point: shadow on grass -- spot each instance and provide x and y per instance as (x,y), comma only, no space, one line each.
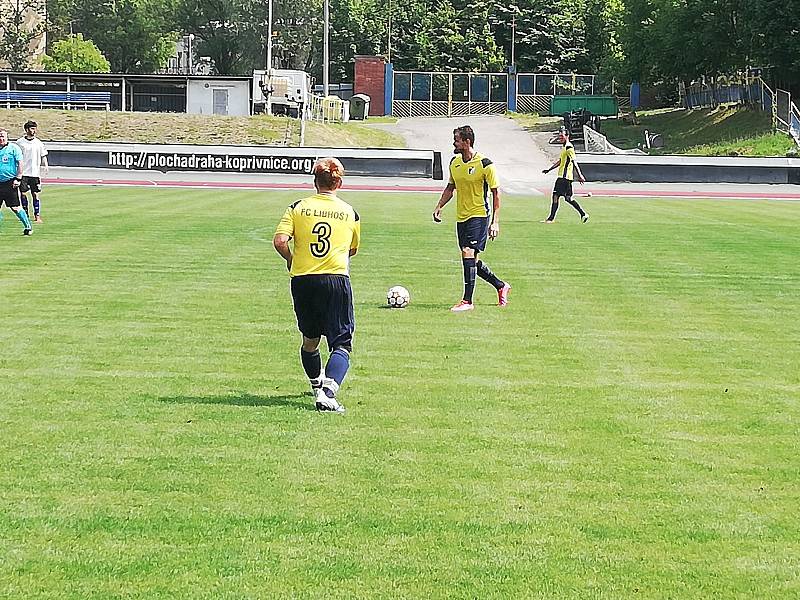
(298,401)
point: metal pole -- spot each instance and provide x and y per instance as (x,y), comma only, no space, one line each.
(269,38)
(191,58)
(268,103)
(513,37)
(326,52)
(389,57)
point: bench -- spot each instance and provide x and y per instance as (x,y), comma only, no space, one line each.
(65,100)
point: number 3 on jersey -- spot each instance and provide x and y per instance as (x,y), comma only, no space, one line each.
(323,244)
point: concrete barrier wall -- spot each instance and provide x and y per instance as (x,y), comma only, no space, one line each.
(372,162)
(688,169)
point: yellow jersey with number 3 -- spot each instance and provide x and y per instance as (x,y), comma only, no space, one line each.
(473,180)
(324,229)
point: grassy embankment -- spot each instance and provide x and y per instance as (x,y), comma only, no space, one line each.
(724,131)
(101,126)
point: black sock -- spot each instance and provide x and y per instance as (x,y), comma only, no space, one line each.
(553,210)
(469,278)
(24,200)
(485,273)
(312,363)
(574,204)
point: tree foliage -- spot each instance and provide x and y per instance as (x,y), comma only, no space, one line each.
(137,36)
(74,54)
(19,30)
(646,40)
(230,32)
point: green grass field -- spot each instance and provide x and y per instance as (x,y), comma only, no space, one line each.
(626,428)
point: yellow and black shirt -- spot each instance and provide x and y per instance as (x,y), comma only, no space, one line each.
(567,161)
(324,229)
(473,180)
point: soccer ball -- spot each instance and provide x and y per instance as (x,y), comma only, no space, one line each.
(398,297)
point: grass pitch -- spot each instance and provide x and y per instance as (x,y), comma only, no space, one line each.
(626,428)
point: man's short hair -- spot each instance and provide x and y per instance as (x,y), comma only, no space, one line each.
(30,124)
(465,133)
(563,131)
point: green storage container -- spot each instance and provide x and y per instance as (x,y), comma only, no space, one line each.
(605,106)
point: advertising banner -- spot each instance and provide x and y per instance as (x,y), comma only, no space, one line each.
(372,162)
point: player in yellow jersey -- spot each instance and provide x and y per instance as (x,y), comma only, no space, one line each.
(326,232)
(472,176)
(566,164)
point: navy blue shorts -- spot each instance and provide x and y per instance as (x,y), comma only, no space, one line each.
(473,233)
(563,187)
(323,305)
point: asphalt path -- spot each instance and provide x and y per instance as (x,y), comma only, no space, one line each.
(518,157)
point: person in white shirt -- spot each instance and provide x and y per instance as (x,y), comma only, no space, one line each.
(34,165)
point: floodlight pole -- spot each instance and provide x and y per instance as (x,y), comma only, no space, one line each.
(269,37)
(513,37)
(389,57)
(326,52)
(190,65)
(268,104)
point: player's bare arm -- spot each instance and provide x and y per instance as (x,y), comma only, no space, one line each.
(553,166)
(281,243)
(577,168)
(494,226)
(447,195)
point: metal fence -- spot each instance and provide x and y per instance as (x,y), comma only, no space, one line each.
(753,92)
(439,94)
(330,109)
(435,94)
(535,90)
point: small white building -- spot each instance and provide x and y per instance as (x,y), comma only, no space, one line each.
(218,96)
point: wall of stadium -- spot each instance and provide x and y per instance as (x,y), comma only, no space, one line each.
(689,169)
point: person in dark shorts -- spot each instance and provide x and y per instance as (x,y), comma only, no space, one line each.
(34,165)
(326,232)
(10,179)
(566,164)
(471,177)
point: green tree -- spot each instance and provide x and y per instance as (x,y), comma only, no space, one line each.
(297,24)
(677,40)
(230,32)
(75,55)
(773,40)
(60,17)
(357,27)
(137,36)
(19,30)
